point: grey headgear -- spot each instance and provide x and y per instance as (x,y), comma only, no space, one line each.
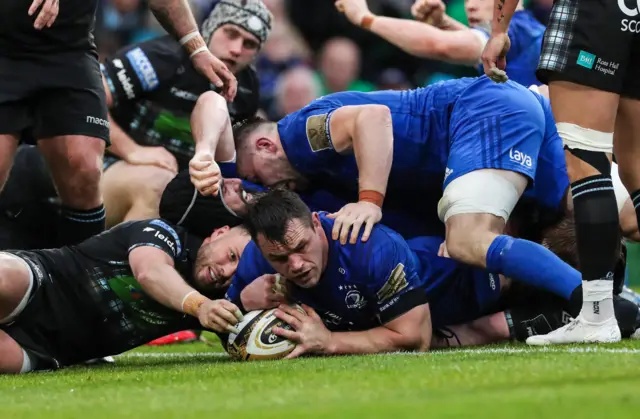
(251,15)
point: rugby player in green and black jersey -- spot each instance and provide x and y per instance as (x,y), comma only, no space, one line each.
(113,292)
(152,90)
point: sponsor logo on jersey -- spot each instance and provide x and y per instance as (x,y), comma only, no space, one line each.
(586,59)
(318,133)
(97,121)
(396,282)
(143,68)
(520,158)
(148,229)
(172,240)
(629,25)
(124,79)
(492,282)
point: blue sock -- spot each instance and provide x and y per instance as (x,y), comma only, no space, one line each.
(533,264)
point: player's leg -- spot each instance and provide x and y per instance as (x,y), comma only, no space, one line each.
(496,134)
(8,147)
(584,57)
(16,282)
(133,192)
(72,130)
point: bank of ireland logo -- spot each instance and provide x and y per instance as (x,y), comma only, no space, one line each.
(586,59)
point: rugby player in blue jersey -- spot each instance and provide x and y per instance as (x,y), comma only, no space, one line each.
(446,39)
(483,143)
(371,291)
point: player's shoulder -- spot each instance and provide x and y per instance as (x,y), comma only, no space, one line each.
(163,51)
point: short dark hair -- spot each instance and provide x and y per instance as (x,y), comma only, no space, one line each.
(270,213)
(244,128)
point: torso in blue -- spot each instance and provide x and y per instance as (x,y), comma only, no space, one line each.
(363,286)
(420,120)
(526,34)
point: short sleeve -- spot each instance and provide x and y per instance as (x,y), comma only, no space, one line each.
(394,279)
(158,234)
(140,68)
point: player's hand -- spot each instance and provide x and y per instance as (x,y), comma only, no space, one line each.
(265,292)
(205,174)
(48,12)
(494,57)
(217,72)
(351,217)
(153,156)
(431,12)
(310,334)
(354,10)
(219,315)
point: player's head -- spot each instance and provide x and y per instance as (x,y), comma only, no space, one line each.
(260,157)
(218,257)
(289,236)
(480,12)
(236,30)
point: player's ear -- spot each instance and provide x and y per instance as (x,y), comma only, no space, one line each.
(315,220)
(265,144)
(217,233)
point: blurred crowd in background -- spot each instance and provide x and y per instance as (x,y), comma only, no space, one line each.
(313,50)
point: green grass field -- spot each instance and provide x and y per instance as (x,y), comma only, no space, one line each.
(194,381)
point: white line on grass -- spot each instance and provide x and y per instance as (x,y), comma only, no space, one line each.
(470,351)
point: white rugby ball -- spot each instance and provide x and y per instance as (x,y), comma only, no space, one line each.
(256,341)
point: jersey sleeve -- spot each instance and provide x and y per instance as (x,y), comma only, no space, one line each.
(252,265)
(140,68)
(306,136)
(394,282)
(158,234)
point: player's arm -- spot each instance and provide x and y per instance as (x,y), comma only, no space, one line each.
(367,132)
(211,127)
(409,332)
(153,247)
(459,44)
(502,14)
(176,18)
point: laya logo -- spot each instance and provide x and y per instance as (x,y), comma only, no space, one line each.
(520,158)
(143,68)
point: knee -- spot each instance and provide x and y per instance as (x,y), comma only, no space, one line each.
(469,237)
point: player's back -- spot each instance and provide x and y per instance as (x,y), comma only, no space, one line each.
(420,121)
(71,30)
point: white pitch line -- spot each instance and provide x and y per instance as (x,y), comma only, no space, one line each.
(469,351)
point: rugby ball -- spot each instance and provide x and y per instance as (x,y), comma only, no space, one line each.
(256,341)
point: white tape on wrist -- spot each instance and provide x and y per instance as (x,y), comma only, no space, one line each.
(185,299)
(198,51)
(188,37)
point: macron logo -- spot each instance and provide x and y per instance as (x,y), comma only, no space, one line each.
(97,121)
(148,229)
(520,158)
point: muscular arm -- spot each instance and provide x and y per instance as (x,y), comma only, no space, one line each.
(502,14)
(457,44)
(411,331)
(211,127)
(366,131)
(154,271)
(175,16)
